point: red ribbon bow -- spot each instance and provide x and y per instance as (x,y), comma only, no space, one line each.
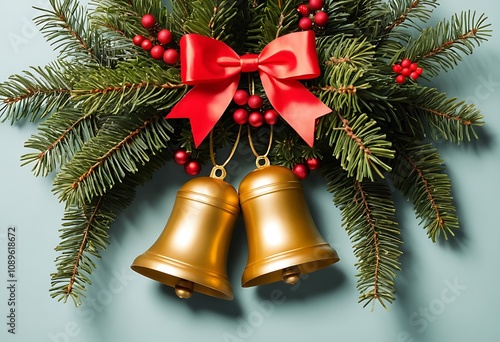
(214,69)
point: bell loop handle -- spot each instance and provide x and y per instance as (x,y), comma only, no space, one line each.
(220,168)
(262,161)
(218,172)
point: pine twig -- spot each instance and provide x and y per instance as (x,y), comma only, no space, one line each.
(402,17)
(113,150)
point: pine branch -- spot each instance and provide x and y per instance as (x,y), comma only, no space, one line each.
(118,21)
(59,138)
(276,18)
(358,144)
(288,149)
(338,20)
(252,25)
(131,85)
(212,18)
(340,87)
(121,146)
(407,13)
(368,215)
(181,11)
(440,47)
(353,80)
(36,93)
(66,27)
(369,16)
(356,53)
(85,233)
(444,117)
(420,175)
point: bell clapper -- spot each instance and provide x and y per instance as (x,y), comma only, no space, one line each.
(184,288)
(291,275)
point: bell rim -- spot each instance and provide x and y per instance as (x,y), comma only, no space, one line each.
(268,270)
(169,271)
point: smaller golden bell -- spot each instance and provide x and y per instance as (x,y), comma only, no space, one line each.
(283,241)
(191,252)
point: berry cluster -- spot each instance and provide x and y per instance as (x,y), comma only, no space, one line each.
(406,69)
(312,15)
(254,103)
(302,169)
(158,42)
(183,157)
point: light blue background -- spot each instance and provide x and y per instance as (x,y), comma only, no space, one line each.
(129,307)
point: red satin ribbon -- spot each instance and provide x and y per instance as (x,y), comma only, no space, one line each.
(214,69)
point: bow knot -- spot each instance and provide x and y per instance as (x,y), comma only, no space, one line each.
(214,69)
(249,62)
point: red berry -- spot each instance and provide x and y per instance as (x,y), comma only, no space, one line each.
(405,63)
(305,23)
(321,19)
(397,68)
(304,10)
(419,71)
(400,79)
(240,116)
(241,97)
(192,167)
(313,163)
(170,56)
(406,72)
(413,66)
(138,39)
(157,52)
(146,45)
(255,101)
(148,21)
(414,75)
(181,156)
(164,36)
(271,116)
(316,4)
(301,170)
(255,119)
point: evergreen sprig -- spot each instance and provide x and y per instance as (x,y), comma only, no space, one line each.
(359,145)
(212,18)
(441,47)
(37,93)
(277,19)
(443,117)
(120,147)
(84,233)
(59,138)
(420,175)
(368,215)
(132,84)
(67,28)
(408,14)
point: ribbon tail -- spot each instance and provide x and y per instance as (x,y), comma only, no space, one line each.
(204,105)
(298,107)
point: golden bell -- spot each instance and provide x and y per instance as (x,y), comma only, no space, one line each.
(191,253)
(283,241)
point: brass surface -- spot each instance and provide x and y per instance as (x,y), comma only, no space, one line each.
(194,244)
(280,230)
